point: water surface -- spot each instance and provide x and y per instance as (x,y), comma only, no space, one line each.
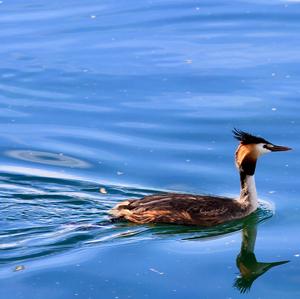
(102,101)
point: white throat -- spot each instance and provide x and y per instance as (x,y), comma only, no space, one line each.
(248,193)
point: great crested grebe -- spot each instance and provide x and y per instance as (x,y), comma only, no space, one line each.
(204,210)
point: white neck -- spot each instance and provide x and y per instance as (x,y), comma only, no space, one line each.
(248,197)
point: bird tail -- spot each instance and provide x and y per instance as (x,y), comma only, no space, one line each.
(121,210)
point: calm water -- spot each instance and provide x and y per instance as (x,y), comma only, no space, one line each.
(137,97)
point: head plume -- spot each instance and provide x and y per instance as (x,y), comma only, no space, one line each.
(247,154)
(246,138)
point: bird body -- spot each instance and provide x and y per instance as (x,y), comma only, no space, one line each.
(203,210)
(187,209)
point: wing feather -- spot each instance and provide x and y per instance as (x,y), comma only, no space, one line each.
(176,208)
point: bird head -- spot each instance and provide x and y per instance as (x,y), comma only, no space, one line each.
(250,149)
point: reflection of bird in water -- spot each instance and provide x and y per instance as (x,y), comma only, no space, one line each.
(204,210)
(250,269)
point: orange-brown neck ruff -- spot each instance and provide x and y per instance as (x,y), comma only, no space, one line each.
(246,156)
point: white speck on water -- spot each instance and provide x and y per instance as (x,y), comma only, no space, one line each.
(156,271)
(120,172)
(286,165)
(274,109)
(93,17)
(188,61)
(273,74)
(103,190)
(287,76)
(230,242)
(272,192)
(19,268)
(8,75)
(187,160)
(197,8)
(8,245)
(296,255)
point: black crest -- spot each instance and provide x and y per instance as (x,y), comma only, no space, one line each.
(246,138)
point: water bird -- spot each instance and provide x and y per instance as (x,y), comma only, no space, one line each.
(204,210)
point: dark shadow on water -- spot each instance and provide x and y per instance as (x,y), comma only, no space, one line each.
(250,269)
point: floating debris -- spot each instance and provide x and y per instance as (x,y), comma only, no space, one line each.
(296,255)
(19,268)
(120,172)
(103,190)
(156,271)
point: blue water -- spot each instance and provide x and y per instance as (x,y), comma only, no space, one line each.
(102,101)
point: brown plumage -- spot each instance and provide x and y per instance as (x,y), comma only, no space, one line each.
(178,208)
(203,210)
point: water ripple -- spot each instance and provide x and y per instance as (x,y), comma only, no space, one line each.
(47,158)
(46,216)
(106,95)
